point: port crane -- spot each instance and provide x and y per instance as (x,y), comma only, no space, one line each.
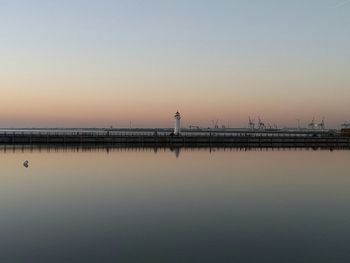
(261,124)
(215,124)
(312,125)
(272,126)
(251,123)
(322,125)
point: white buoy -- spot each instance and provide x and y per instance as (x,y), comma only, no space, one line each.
(177,128)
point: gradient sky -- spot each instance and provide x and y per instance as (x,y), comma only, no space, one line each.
(100,63)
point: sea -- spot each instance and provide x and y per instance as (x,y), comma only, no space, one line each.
(110,204)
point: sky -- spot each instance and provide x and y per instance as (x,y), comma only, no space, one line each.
(83,63)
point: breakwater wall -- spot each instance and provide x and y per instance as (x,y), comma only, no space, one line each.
(235,140)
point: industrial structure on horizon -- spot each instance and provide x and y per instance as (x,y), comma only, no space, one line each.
(255,135)
(259,127)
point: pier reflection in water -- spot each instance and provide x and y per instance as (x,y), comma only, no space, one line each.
(145,205)
(150,148)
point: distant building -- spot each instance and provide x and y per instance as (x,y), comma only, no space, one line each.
(345,132)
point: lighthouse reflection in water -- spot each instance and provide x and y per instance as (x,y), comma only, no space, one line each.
(142,205)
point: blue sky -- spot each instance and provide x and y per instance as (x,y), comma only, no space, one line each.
(209,59)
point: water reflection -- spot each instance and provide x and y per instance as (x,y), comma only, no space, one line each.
(125,148)
(145,205)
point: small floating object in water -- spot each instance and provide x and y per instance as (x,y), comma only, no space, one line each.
(26,164)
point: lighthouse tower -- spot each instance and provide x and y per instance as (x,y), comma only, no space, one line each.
(177,123)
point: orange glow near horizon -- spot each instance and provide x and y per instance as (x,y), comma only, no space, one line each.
(150,101)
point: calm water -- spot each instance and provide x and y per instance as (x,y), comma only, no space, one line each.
(168,206)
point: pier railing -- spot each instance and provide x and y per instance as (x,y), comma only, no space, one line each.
(77,133)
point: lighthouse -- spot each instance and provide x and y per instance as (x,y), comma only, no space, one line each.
(177,123)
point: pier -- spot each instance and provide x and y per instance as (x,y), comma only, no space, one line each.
(187,138)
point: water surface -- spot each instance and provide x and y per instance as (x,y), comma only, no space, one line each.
(192,205)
